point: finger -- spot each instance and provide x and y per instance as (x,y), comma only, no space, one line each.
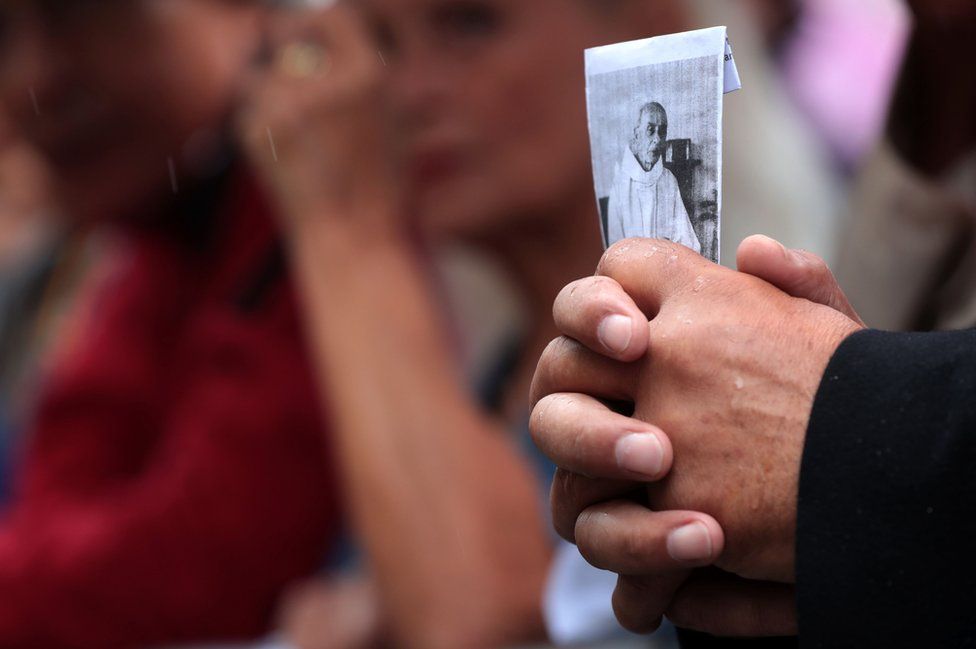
(346,30)
(269,103)
(598,313)
(650,271)
(572,493)
(568,366)
(629,539)
(580,434)
(725,605)
(639,602)
(339,28)
(795,272)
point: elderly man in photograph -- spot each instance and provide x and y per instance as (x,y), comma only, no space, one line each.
(645,200)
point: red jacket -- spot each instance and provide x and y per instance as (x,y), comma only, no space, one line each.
(177,475)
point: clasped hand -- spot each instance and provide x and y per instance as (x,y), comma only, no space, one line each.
(692,500)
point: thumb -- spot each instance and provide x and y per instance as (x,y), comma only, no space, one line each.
(798,273)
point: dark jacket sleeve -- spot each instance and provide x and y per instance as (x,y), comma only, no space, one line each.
(887,508)
(694,640)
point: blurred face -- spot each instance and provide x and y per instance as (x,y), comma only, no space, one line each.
(490,99)
(650,135)
(109,91)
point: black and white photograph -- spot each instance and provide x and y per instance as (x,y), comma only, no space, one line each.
(655,115)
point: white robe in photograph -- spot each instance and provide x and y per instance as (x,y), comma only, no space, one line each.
(648,204)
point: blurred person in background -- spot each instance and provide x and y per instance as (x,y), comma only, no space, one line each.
(839,61)
(455,122)
(43,265)
(176,476)
(909,258)
(25,235)
(776,20)
(25,202)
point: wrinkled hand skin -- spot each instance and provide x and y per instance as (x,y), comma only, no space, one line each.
(730,374)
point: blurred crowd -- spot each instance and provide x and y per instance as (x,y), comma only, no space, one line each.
(274,281)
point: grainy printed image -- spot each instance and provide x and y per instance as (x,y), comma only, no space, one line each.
(655,133)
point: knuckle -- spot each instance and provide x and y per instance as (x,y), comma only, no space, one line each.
(545,369)
(605,297)
(563,504)
(677,613)
(539,416)
(545,422)
(553,351)
(571,491)
(583,304)
(602,287)
(633,547)
(631,607)
(566,299)
(688,613)
(820,267)
(559,353)
(619,255)
(569,290)
(815,267)
(813,261)
(580,299)
(592,537)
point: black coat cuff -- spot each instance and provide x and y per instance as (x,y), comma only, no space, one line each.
(887,507)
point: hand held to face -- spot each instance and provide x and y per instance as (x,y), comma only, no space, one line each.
(315,123)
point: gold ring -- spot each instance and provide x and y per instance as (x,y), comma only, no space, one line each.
(302,59)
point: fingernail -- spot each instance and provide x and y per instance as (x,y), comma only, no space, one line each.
(615,333)
(691,543)
(642,454)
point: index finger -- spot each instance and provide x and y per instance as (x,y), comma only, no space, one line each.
(597,312)
(650,271)
(581,435)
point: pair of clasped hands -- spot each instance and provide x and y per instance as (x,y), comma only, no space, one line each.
(692,500)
